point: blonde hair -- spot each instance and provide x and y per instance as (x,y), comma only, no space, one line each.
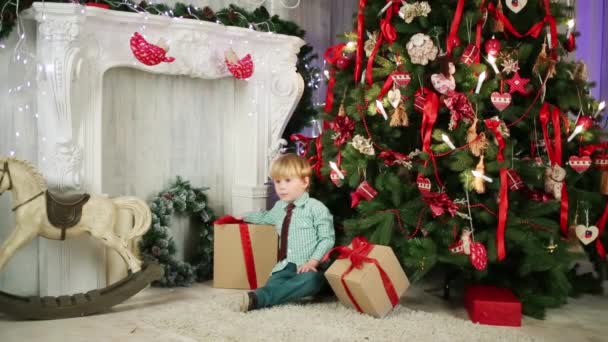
(290,165)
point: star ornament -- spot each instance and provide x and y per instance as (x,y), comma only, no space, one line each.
(517,84)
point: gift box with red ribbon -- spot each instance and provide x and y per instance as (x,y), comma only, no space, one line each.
(492,305)
(366,277)
(243,254)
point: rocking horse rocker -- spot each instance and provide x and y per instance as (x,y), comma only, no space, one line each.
(39,212)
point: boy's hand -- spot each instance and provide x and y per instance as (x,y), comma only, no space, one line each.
(310,266)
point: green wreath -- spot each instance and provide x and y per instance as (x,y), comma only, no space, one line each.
(157,245)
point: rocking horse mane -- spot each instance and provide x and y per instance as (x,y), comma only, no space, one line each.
(28,167)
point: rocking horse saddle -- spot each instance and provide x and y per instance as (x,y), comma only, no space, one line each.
(64,210)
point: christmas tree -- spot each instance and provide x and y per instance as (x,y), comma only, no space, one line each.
(459,133)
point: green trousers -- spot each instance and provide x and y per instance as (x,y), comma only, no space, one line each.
(287,285)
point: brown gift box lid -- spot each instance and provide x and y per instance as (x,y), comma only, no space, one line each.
(365,284)
(228,260)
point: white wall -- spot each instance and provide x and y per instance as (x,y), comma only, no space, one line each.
(156,127)
(21,273)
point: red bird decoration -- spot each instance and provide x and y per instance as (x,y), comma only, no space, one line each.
(239,68)
(149,54)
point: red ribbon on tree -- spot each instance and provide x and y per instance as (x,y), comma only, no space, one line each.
(535,30)
(429,116)
(246,245)
(388,33)
(360,34)
(332,55)
(452,39)
(358,254)
(503,207)
(601,224)
(554,150)
(478,28)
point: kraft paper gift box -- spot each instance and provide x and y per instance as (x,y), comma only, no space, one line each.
(367,277)
(243,254)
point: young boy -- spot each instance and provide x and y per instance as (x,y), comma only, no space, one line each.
(306,233)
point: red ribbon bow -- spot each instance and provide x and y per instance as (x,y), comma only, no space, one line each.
(460,108)
(247,248)
(344,126)
(358,254)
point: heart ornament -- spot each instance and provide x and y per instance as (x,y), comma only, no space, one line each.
(579,164)
(586,234)
(394,97)
(500,100)
(516,5)
(401,79)
(424,184)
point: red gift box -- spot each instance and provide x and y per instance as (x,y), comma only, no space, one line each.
(492,305)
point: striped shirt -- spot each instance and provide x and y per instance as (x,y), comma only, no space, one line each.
(311,230)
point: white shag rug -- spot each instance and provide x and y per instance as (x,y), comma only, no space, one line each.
(210,319)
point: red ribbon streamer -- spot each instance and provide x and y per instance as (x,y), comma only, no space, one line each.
(369,71)
(503,206)
(429,116)
(357,254)
(555,154)
(478,32)
(332,55)
(388,33)
(360,42)
(601,251)
(535,30)
(452,39)
(247,248)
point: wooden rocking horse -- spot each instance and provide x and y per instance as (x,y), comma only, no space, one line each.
(39,212)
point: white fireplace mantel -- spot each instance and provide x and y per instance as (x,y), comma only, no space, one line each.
(77,45)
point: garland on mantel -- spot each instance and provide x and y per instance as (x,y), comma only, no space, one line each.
(258,20)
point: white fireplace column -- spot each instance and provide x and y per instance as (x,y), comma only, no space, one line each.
(77,45)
